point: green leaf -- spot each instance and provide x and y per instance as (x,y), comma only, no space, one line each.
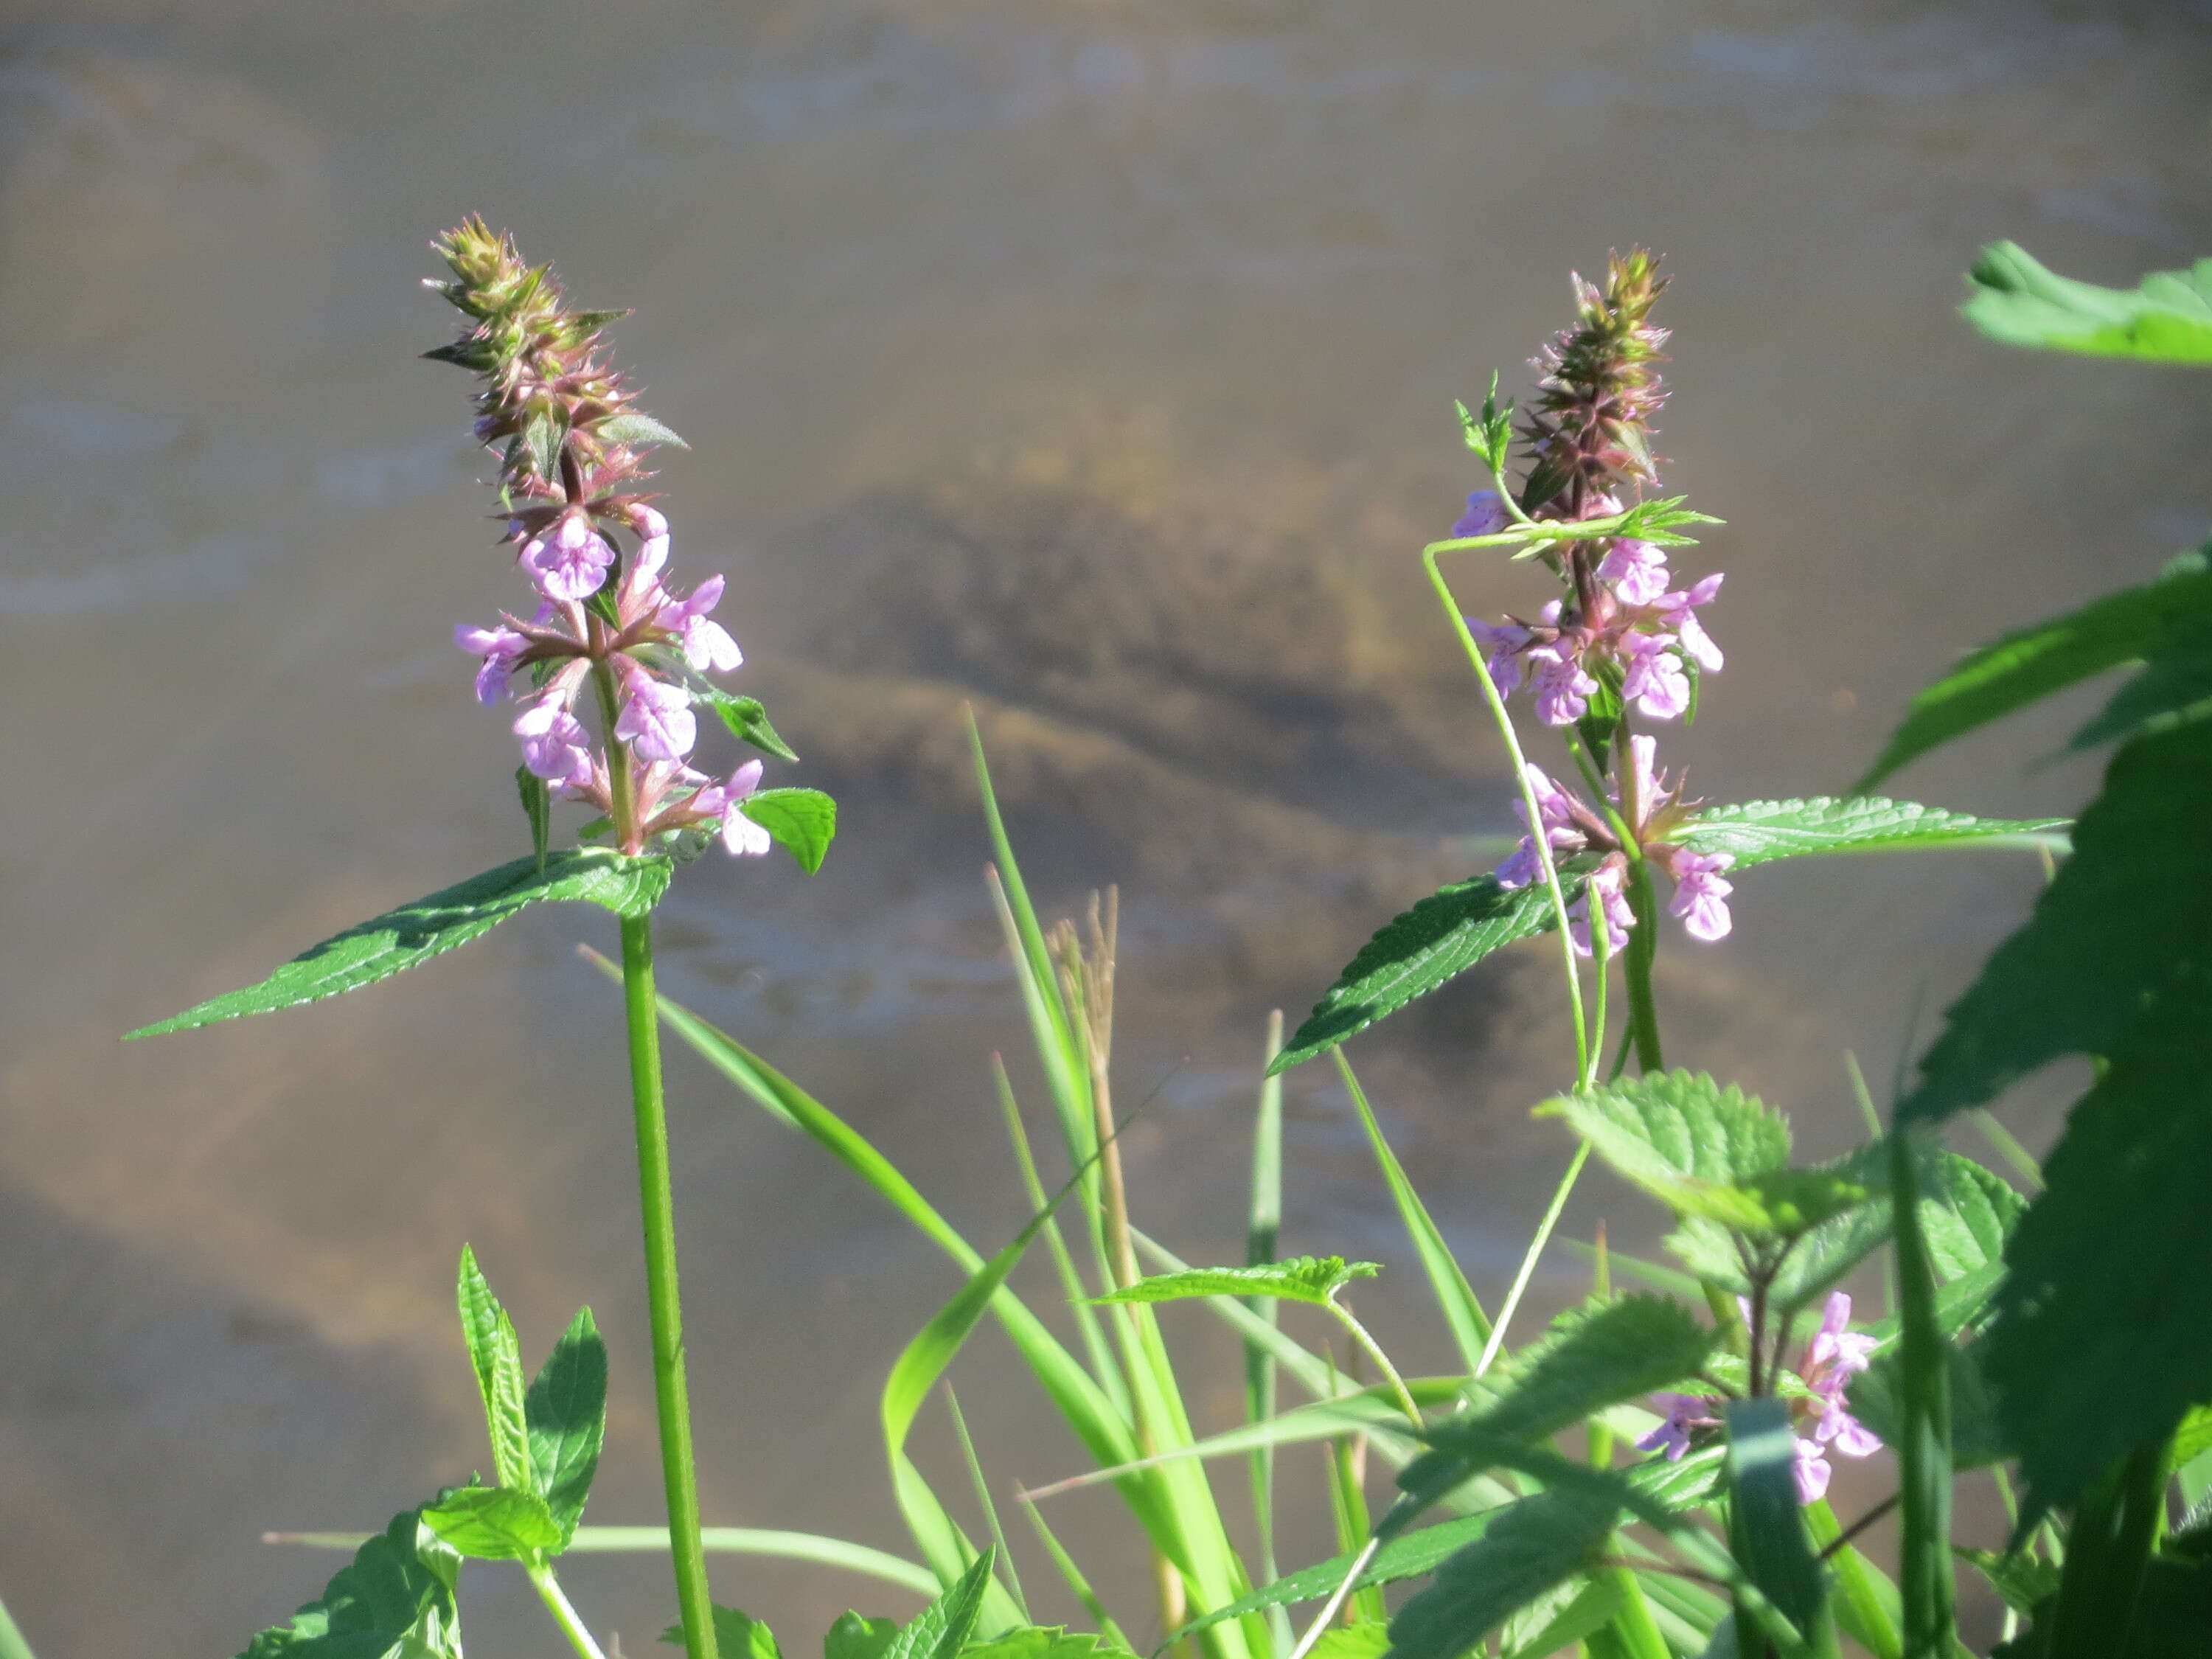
(942,1628)
(1623,1350)
(396,1598)
(543,434)
(495,1523)
(739,1636)
(748,722)
(1369,1640)
(1760,831)
(2169,615)
(1588,1610)
(1408,1556)
(537,807)
(2127,917)
(1310,1279)
(1532,1546)
(2171,691)
(2021,1580)
(634,426)
(1443,936)
(854,1638)
(2166,319)
(1041,1642)
(566,1410)
(398,940)
(1768,1531)
(497,1357)
(803,821)
(1923,1430)
(1684,1139)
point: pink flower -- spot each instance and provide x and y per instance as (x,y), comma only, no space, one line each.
(1811,1471)
(1835,1356)
(1637,570)
(1701,898)
(1502,644)
(1485,515)
(1655,680)
(656,719)
(1676,613)
(1563,689)
(1607,887)
(1559,831)
(555,745)
(708,646)
(499,647)
(740,835)
(1685,1412)
(570,562)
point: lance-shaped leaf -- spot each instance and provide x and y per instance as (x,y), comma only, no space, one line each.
(1533,1546)
(2167,617)
(566,1411)
(803,821)
(1407,1556)
(1443,936)
(1769,1530)
(1684,1139)
(2017,301)
(1760,831)
(395,1597)
(495,1523)
(942,1628)
(496,1355)
(1623,1350)
(398,940)
(634,426)
(1310,1279)
(1043,1642)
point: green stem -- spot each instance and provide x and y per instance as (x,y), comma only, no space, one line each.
(1374,1351)
(12,1644)
(564,1612)
(1636,966)
(1537,839)
(1529,1261)
(1632,1624)
(657,1203)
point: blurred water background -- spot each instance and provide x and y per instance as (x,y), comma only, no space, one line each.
(1092,361)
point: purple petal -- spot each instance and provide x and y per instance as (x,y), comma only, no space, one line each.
(1485,515)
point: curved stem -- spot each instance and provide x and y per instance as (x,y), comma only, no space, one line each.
(1374,1351)
(1536,836)
(656,1201)
(564,1612)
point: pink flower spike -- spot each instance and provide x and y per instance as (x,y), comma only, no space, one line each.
(656,719)
(570,564)
(1701,903)
(1655,681)
(1811,1470)
(1485,515)
(498,648)
(555,745)
(1637,570)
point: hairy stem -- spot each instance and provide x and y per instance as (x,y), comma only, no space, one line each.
(564,1612)
(656,1201)
(1374,1351)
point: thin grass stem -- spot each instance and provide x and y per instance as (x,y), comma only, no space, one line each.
(1373,1350)
(1527,1268)
(983,1497)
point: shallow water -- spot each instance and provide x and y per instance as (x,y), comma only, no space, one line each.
(1093,362)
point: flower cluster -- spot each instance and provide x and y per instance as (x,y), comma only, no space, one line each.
(1648,810)
(570,437)
(1834,1356)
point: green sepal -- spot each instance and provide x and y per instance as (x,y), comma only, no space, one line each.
(399,939)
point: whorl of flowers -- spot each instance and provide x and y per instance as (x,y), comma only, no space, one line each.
(1622,638)
(569,437)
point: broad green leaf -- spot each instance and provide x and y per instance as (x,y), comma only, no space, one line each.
(1588,1610)
(2129,915)
(634,426)
(1532,1546)
(1760,831)
(2169,615)
(736,1635)
(2171,691)
(1041,1642)
(1921,1433)
(1443,936)
(942,1628)
(495,1523)
(566,1410)
(1768,1533)
(2166,319)
(855,1637)
(1367,1640)
(1684,1139)
(803,821)
(395,1598)
(1625,1349)
(1314,1279)
(1966,1213)
(414,933)
(497,1357)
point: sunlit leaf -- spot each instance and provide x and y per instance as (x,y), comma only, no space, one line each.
(496,1355)
(2017,301)
(1759,832)
(395,1597)
(495,1523)
(736,1635)
(566,1410)
(803,821)
(1310,1279)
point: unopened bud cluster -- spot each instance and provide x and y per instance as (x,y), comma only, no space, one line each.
(606,623)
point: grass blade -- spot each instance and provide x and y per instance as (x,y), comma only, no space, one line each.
(1077,1583)
(1262,1238)
(983,1497)
(1924,1448)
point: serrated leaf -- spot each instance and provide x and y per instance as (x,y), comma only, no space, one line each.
(1684,1139)
(497,1354)
(634,426)
(495,1523)
(396,1597)
(736,1635)
(2024,666)
(853,1636)
(399,939)
(1407,1556)
(1310,1279)
(566,1411)
(803,821)
(1622,1351)
(1976,1437)
(1768,1533)
(1534,1544)
(1440,937)
(2018,302)
(1041,1642)
(942,1628)
(1761,831)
